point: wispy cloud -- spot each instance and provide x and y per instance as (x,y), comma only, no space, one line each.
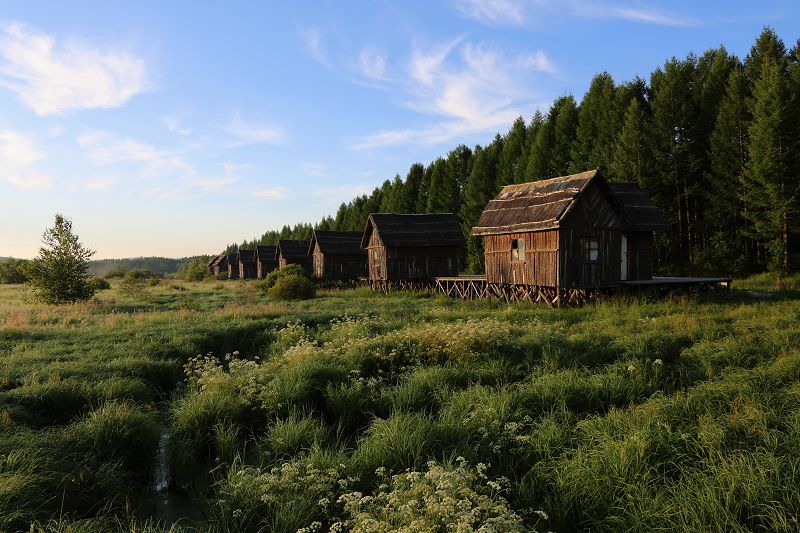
(372,64)
(245,133)
(104,148)
(18,156)
(174,125)
(493,12)
(52,77)
(470,88)
(270,193)
(314,45)
(314,169)
(525,12)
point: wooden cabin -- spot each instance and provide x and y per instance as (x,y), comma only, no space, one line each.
(233,266)
(412,247)
(293,252)
(219,264)
(337,255)
(247,264)
(266,260)
(575,231)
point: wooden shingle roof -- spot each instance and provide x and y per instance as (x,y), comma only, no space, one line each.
(337,242)
(293,249)
(433,229)
(542,205)
(247,256)
(266,252)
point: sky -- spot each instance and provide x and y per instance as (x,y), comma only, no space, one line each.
(175,128)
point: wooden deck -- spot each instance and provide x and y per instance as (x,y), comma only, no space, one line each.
(471,287)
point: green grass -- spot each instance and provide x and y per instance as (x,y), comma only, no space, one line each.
(625,415)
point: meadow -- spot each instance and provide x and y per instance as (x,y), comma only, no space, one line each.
(357,411)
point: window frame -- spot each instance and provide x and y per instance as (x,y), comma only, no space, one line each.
(587,250)
(518,250)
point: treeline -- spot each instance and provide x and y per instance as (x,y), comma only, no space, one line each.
(713,138)
(161,265)
(297,232)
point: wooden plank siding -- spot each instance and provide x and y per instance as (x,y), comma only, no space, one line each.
(395,263)
(540,266)
(337,266)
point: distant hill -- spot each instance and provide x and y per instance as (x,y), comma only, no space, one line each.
(165,265)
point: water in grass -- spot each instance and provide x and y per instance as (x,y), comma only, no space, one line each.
(168,502)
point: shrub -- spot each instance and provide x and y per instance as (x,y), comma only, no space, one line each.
(134,284)
(288,270)
(98,284)
(292,287)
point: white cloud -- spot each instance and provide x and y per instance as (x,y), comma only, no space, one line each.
(174,125)
(270,193)
(53,77)
(372,64)
(247,133)
(99,184)
(314,46)
(508,12)
(18,156)
(526,12)
(470,88)
(315,169)
(104,148)
(652,17)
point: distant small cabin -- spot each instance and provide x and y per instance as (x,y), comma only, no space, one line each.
(293,252)
(266,260)
(233,266)
(575,231)
(219,264)
(412,247)
(247,264)
(337,255)
(210,264)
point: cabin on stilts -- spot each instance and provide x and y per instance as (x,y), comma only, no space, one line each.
(266,260)
(293,252)
(337,255)
(407,251)
(567,239)
(247,264)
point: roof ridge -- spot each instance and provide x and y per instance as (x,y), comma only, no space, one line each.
(513,187)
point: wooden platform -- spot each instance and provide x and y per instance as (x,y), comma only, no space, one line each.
(471,287)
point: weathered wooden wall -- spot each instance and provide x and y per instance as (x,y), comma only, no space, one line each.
(264,267)
(540,266)
(337,266)
(576,272)
(396,263)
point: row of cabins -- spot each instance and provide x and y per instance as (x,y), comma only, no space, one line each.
(577,231)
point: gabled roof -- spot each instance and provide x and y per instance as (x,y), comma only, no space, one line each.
(220,260)
(542,205)
(434,229)
(537,205)
(293,250)
(266,252)
(337,242)
(247,256)
(637,209)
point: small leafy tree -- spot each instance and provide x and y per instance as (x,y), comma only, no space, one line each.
(59,273)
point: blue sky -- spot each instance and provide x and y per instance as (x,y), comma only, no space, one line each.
(174,128)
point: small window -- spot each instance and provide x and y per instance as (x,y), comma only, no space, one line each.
(590,249)
(518,249)
(376,255)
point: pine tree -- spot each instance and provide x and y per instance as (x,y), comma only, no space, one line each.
(442,192)
(479,189)
(459,165)
(59,272)
(512,157)
(598,125)
(773,187)
(566,123)
(633,155)
(410,191)
(421,201)
(727,156)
